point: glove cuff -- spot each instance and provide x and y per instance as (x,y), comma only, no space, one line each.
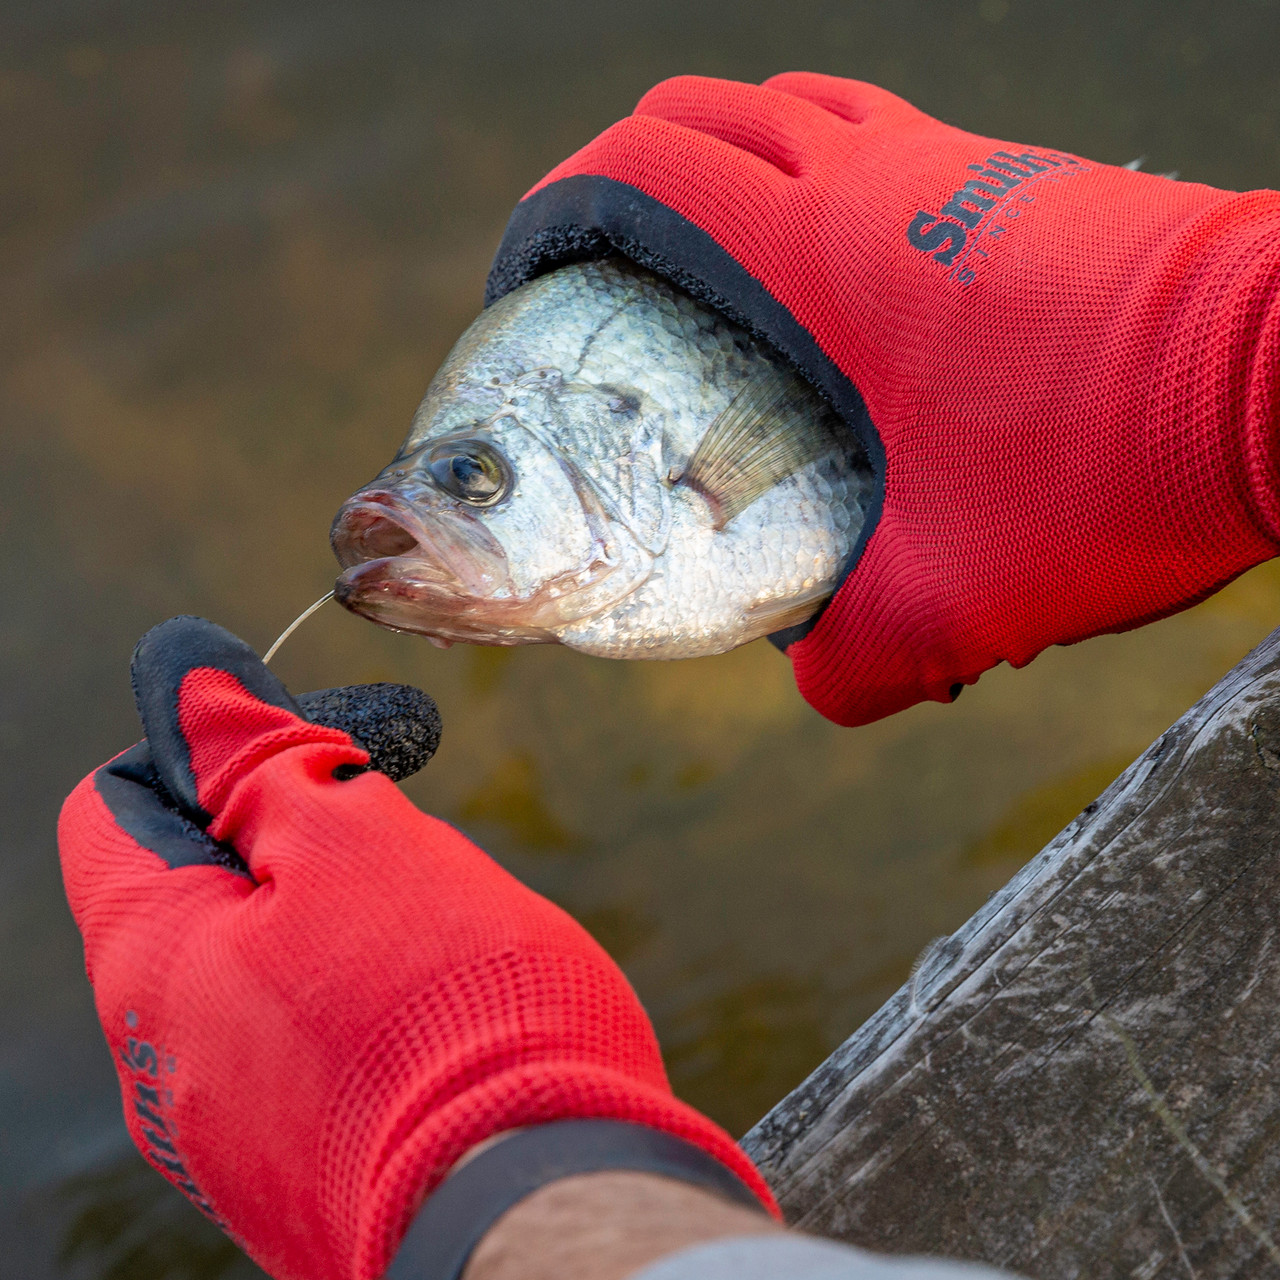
(528,1096)
(453,1221)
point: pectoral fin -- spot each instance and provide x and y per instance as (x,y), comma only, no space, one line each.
(771,429)
(778,615)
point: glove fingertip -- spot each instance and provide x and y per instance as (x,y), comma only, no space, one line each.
(706,103)
(671,91)
(757,120)
(397,724)
(161,661)
(854,101)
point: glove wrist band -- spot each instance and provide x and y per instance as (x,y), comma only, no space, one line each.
(456,1216)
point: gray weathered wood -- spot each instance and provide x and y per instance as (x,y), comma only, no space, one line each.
(1082,1081)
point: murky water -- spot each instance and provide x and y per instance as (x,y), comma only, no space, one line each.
(235,242)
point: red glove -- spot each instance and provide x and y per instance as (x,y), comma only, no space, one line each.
(1065,373)
(306,1045)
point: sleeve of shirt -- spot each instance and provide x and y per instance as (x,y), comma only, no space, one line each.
(797,1257)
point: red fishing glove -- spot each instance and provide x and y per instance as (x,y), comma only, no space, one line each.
(1065,373)
(316,996)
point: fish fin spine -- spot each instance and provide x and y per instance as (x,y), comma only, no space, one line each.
(770,429)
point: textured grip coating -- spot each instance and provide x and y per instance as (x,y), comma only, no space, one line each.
(398,725)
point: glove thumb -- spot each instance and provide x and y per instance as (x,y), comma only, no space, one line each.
(212,713)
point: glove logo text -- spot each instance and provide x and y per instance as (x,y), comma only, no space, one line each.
(982,207)
(150,1101)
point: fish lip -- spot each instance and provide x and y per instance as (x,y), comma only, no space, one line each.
(404,593)
(447,570)
(371,511)
(379,523)
(436,571)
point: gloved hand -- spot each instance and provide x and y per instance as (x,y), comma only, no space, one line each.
(1065,372)
(307,1045)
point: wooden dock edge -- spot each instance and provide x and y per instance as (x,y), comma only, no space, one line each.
(1082,1081)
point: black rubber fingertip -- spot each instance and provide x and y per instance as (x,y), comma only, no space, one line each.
(161,661)
(398,725)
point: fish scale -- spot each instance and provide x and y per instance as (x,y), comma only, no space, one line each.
(606,463)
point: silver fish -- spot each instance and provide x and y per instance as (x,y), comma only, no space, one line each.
(605,463)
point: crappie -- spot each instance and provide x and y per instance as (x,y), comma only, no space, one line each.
(604,462)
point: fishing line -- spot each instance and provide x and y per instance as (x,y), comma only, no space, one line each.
(294,625)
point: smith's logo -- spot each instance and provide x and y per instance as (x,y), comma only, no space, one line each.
(1000,185)
(150,1102)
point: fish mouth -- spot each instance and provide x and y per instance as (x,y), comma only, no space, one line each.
(444,576)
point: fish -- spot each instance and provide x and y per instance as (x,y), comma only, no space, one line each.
(605,463)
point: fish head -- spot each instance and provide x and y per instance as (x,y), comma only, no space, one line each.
(484,531)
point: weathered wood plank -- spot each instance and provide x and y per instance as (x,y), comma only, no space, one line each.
(1082,1081)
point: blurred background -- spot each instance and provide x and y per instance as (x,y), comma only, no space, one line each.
(235,242)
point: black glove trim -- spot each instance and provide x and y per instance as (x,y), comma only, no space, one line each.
(587,216)
(131,787)
(461,1210)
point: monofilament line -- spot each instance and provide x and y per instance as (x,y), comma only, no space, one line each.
(295,624)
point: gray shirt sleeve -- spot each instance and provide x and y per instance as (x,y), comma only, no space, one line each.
(797,1257)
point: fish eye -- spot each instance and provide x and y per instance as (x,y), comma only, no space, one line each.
(470,470)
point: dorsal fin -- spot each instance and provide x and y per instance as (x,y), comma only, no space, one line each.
(771,428)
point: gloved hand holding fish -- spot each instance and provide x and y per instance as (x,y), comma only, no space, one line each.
(797,359)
